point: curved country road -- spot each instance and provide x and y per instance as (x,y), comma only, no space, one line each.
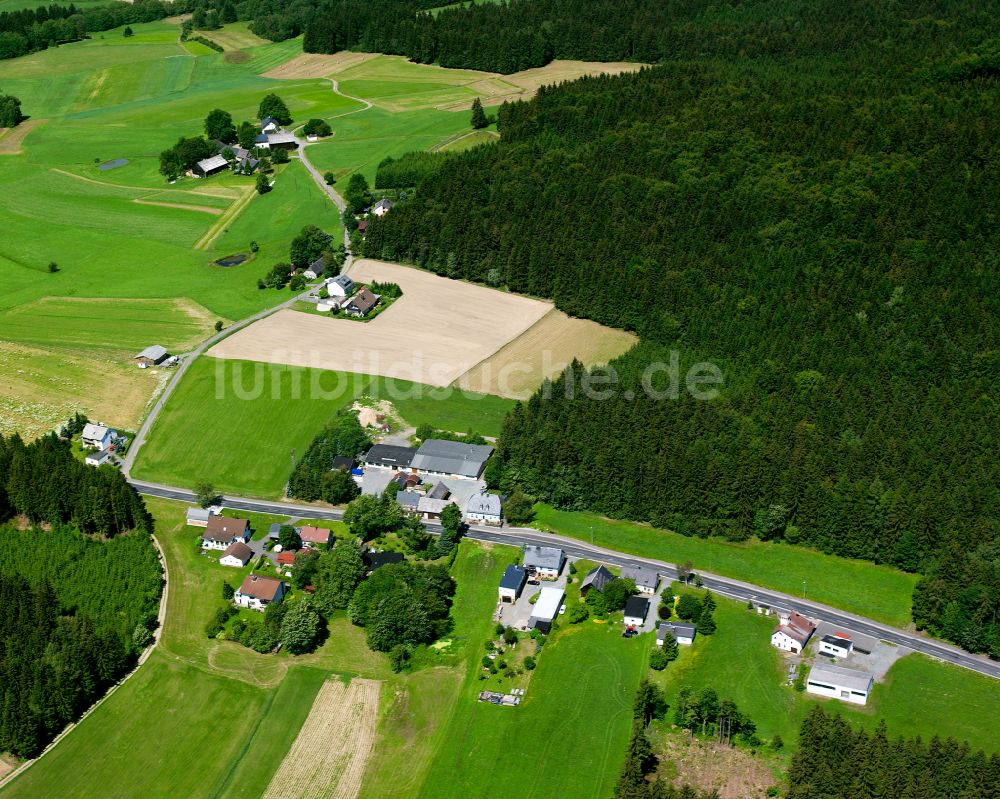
(734,589)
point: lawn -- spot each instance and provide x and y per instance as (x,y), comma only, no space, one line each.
(444,408)
(876,592)
(919,695)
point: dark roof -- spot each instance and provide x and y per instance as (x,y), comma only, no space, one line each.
(840,643)
(642,576)
(275,529)
(318,266)
(408,500)
(440,491)
(363,225)
(390,455)
(513,578)
(376,560)
(597,577)
(363,301)
(341,462)
(677,628)
(636,606)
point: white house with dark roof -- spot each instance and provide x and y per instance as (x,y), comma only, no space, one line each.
(382,207)
(682,632)
(451,458)
(98,457)
(636,610)
(545,562)
(269,125)
(838,645)
(484,509)
(97,436)
(836,682)
(340,286)
(512,583)
(315,269)
(221,531)
(646,579)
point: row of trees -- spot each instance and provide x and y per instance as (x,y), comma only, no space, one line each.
(836,760)
(496,37)
(804,230)
(45,483)
(31,29)
(314,477)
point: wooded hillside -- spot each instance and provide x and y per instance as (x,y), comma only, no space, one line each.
(805,197)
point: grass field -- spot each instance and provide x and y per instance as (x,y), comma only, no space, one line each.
(876,592)
(467,141)
(235,422)
(919,696)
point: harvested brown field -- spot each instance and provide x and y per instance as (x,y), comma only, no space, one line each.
(438,330)
(542,351)
(11,139)
(329,755)
(316,65)
(40,388)
(733,773)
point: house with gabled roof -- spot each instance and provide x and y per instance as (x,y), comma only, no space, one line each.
(544,561)
(512,583)
(237,554)
(221,531)
(97,436)
(645,578)
(258,591)
(361,304)
(636,610)
(339,286)
(382,207)
(484,508)
(151,356)
(452,458)
(209,166)
(316,269)
(794,634)
(682,632)
(596,578)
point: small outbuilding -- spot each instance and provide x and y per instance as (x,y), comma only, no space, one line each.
(198,517)
(151,356)
(545,609)
(596,578)
(636,610)
(512,583)
(257,592)
(646,579)
(544,562)
(98,457)
(836,682)
(210,166)
(237,554)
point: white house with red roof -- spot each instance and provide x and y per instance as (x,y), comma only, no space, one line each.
(794,634)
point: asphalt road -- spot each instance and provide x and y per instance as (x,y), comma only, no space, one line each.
(735,589)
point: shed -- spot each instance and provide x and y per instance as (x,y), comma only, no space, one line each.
(98,458)
(283,140)
(546,608)
(837,682)
(151,356)
(512,583)
(198,517)
(209,166)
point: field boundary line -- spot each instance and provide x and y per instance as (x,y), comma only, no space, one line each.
(161,616)
(448,142)
(227,216)
(147,191)
(202,209)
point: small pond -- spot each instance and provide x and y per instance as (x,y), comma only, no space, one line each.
(234,260)
(112,164)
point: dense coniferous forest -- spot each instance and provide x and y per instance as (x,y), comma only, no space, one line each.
(835,761)
(75,609)
(819,222)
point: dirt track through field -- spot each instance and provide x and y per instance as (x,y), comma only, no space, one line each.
(11,139)
(329,755)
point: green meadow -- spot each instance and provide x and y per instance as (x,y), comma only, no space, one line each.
(919,695)
(876,592)
(235,423)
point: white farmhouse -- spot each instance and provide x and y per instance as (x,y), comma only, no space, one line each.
(484,509)
(340,286)
(645,578)
(636,610)
(382,207)
(257,592)
(837,682)
(544,562)
(793,635)
(221,531)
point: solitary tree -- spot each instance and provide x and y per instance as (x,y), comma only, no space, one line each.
(53,267)
(127,32)
(274,107)
(479,119)
(288,538)
(263,184)
(204,493)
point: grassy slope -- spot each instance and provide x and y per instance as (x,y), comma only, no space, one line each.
(919,696)
(877,592)
(445,409)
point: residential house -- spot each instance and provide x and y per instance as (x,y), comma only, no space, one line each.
(484,509)
(382,207)
(198,517)
(839,645)
(287,558)
(544,562)
(257,592)
(221,531)
(361,304)
(97,436)
(246,165)
(682,632)
(430,508)
(793,635)
(269,125)
(210,166)
(315,536)
(636,610)
(376,560)
(837,682)
(316,269)
(545,609)
(596,578)
(452,458)
(512,583)
(261,142)
(339,286)
(151,356)
(98,457)
(646,579)
(389,456)
(237,554)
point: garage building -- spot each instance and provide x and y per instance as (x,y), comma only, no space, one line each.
(837,682)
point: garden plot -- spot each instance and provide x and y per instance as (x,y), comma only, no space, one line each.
(438,330)
(329,755)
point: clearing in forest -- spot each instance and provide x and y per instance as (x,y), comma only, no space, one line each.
(329,755)
(543,351)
